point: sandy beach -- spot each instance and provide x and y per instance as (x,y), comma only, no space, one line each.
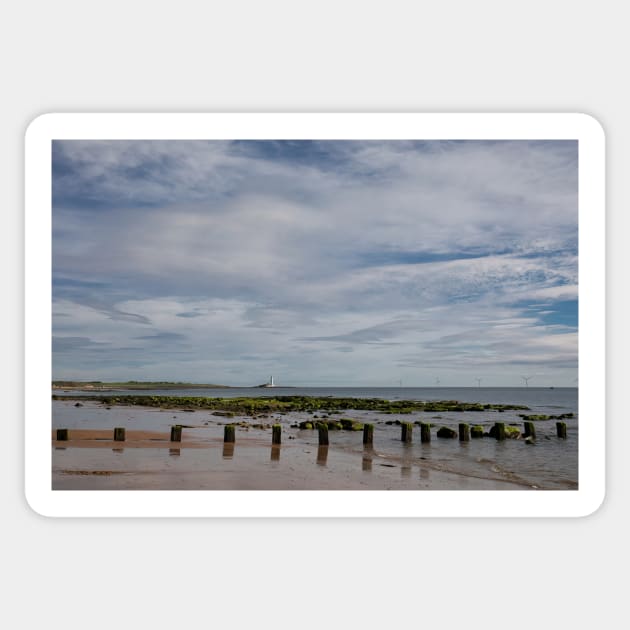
(92,460)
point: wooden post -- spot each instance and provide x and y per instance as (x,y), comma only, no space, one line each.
(561,428)
(176,433)
(276,433)
(368,434)
(464,432)
(499,427)
(407,428)
(322,428)
(530,430)
(425,432)
(119,434)
(62,435)
(229,433)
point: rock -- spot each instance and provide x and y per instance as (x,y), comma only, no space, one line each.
(348,424)
(445,432)
(511,433)
(78,404)
(476,431)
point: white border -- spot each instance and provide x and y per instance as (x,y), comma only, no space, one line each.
(581,502)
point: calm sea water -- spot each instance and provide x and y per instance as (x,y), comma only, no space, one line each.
(550,463)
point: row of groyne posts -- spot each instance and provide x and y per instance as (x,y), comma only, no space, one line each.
(465,432)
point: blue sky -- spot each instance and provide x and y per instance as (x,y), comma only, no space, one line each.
(322,263)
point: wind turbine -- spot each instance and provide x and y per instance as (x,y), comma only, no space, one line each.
(437,381)
(526,379)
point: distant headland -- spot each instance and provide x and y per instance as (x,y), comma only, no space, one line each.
(101,386)
(106,386)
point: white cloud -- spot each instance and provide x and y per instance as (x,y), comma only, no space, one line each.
(361,260)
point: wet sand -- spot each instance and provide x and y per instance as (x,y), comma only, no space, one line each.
(148,460)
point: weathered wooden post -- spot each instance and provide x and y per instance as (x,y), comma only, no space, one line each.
(368,434)
(529,430)
(561,429)
(229,433)
(119,434)
(322,429)
(62,435)
(176,433)
(407,428)
(276,434)
(464,432)
(499,428)
(425,432)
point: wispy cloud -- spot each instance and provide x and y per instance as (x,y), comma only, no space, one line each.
(317,260)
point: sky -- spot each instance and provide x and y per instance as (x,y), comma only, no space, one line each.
(323,263)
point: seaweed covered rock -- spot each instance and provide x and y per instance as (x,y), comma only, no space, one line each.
(283,404)
(511,433)
(306,425)
(349,424)
(445,432)
(333,425)
(476,431)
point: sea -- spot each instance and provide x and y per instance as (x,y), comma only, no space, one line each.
(550,463)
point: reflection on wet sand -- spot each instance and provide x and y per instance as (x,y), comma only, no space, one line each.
(366,460)
(228,450)
(275,453)
(322,455)
(407,461)
(118,450)
(424,473)
(60,448)
(174,451)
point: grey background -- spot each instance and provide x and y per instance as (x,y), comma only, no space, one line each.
(325,56)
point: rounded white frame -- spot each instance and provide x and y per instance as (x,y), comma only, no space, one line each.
(343,126)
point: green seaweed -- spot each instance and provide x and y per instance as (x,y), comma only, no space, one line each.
(476,431)
(286,404)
